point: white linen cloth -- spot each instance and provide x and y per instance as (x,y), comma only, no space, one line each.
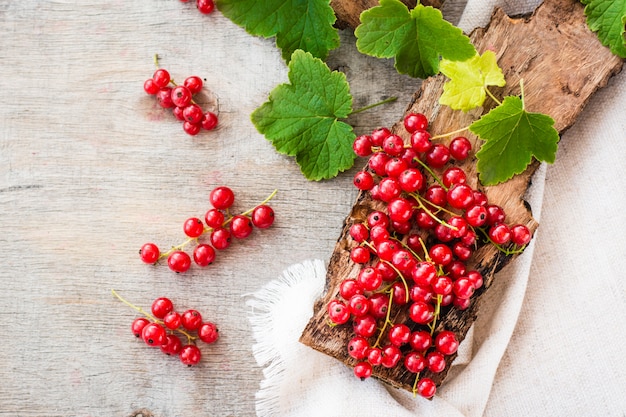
(549,340)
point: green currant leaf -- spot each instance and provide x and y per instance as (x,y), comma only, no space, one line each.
(512,137)
(608,18)
(417,39)
(297,24)
(301,118)
(469,80)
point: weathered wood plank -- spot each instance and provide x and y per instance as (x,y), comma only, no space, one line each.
(562,64)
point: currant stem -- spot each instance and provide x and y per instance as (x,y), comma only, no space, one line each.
(387,319)
(417,378)
(508,252)
(362,109)
(436,314)
(498,102)
(454,132)
(430,171)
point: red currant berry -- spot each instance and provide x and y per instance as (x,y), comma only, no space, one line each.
(190,355)
(222,198)
(193,227)
(424,273)
(442,285)
(358,347)
(415,121)
(164,98)
(393,145)
(150,87)
(414,362)
(369,279)
(138,325)
(441,254)
(360,255)
(386,271)
(203,254)
(380,305)
(161,77)
(425,220)
(178,113)
(463,288)
(179,261)
(172,320)
(437,156)
(220,238)
(421,313)
(262,216)
(193,114)
(365,325)
(172,345)
(208,332)
(403,260)
(209,121)
(420,141)
(181,96)
(359,305)
(400,210)
(436,195)
(458,226)
(375,356)
(205,6)
(389,188)
(362,145)
(161,306)
(391,356)
(385,249)
(460,148)
(349,288)
(399,334)
(363,370)
(496,214)
(379,135)
(421,293)
(149,253)
(363,180)
(153,334)
(191,320)
(377,162)
(359,232)
(436,362)
(520,235)
(446,342)
(214,218)
(461,303)
(395,166)
(241,226)
(411,180)
(420,340)
(456,269)
(460,196)
(480,198)
(191,129)
(193,83)
(377,218)
(338,312)
(475,278)
(500,234)
(426,387)
(453,175)
(476,215)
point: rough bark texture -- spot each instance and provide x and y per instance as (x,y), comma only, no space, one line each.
(348,11)
(562,64)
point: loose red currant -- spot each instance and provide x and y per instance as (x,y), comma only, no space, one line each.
(172,345)
(208,332)
(377,218)
(203,254)
(395,166)
(164,98)
(193,227)
(220,238)
(363,180)
(241,226)
(421,293)
(181,96)
(389,188)
(161,307)
(375,356)
(400,210)
(426,388)
(161,77)
(453,175)
(475,278)
(436,195)
(193,83)
(446,342)
(363,370)
(191,128)
(138,324)
(150,87)
(424,273)
(385,249)
(179,261)
(415,121)
(191,319)
(153,334)
(190,355)
(476,215)
(380,305)
(369,279)
(149,253)
(262,216)
(442,285)
(377,162)
(178,113)
(205,6)
(222,198)
(520,235)
(441,254)
(496,214)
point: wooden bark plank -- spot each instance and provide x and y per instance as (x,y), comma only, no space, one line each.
(562,64)
(348,12)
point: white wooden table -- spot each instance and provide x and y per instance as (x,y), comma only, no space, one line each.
(91,168)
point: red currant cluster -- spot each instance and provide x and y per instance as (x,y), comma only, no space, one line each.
(179,98)
(204,6)
(219,225)
(415,251)
(160,329)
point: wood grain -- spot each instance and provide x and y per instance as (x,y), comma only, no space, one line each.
(91,168)
(562,64)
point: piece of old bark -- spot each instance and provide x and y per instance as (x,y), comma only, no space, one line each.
(349,11)
(562,64)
